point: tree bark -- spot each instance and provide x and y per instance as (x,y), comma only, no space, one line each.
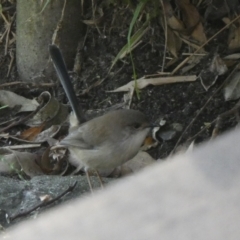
(58,22)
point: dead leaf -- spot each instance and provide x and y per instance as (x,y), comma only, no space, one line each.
(191,16)
(48,133)
(174,25)
(28,164)
(14,161)
(53,113)
(234,56)
(218,66)
(231,60)
(199,34)
(232,89)
(191,19)
(209,75)
(174,43)
(8,161)
(31,133)
(12,99)
(172,21)
(234,36)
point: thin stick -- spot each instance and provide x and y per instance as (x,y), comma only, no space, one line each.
(22,119)
(8,33)
(166,38)
(204,106)
(219,118)
(27,84)
(43,204)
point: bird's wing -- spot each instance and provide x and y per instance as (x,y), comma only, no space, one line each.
(75,139)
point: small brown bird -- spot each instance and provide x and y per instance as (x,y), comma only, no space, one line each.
(104,142)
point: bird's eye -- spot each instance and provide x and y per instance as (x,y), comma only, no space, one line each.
(136,125)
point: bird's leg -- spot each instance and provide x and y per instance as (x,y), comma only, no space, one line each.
(100,179)
(89,182)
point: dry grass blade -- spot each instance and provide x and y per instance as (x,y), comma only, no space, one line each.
(144,82)
(134,42)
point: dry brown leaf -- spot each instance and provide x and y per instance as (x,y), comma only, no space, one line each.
(30,134)
(198,34)
(172,21)
(174,43)
(174,25)
(191,19)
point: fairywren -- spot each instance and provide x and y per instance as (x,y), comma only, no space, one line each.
(104,142)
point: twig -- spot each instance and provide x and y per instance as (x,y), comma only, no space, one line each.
(22,119)
(11,62)
(217,121)
(42,204)
(25,146)
(59,24)
(8,33)
(27,84)
(166,37)
(204,106)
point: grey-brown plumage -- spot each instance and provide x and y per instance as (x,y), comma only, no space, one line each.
(106,142)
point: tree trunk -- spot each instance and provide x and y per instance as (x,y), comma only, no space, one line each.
(37,27)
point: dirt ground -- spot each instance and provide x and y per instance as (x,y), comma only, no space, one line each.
(177,103)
